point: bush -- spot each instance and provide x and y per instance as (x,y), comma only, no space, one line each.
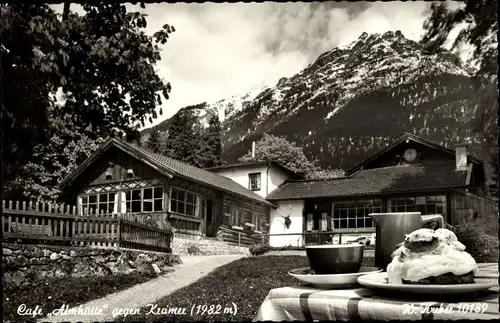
(260,249)
(193,249)
(480,245)
(173,260)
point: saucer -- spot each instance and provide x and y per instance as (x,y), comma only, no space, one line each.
(333,280)
(380,281)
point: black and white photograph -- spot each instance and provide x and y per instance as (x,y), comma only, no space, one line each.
(249,161)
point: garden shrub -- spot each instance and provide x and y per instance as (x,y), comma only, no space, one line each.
(193,249)
(480,245)
(259,249)
(173,260)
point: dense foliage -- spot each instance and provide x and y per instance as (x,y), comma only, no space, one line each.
(478,243)
(211,143)
(277,149)
(154,140)
(195,145)
(89,76)
(480,32)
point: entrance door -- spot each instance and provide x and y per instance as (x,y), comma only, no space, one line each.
(209,219)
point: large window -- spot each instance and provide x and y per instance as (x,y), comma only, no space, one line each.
(355,214)
(144,200)
(184,202)
(254,181)
(104,202)
(422,204)
(237,216)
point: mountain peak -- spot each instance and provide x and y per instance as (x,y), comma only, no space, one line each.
(352,99)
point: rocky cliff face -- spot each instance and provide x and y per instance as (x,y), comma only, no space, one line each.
(353,101)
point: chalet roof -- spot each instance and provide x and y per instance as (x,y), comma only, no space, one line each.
(377,181)
(169,167)
(254,163)
(400,140)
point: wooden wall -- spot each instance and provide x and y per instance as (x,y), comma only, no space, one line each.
(427,156)
(258,209)
(118,162)
(467,208)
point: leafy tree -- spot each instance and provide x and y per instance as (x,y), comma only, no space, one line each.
(182,142)
(101,62)
(210,149)
(153,142)
(326,173)
(277,149)
(480,17)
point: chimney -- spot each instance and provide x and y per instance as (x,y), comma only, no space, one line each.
(253,149)
(461,157)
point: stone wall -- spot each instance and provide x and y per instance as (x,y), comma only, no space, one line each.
(27,264)
(205,247)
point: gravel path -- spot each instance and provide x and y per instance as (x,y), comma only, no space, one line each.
(192,269)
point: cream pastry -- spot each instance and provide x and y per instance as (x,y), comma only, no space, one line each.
(431,257)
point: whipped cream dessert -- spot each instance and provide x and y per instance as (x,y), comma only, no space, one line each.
(427,256)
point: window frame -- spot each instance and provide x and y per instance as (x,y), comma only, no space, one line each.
(255,176)
(196,205)
(345,213)
(431,204)
(129,200)
(85,202)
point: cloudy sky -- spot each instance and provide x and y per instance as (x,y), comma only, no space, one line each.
(220,50)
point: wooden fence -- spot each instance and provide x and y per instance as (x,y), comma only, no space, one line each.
(238,237)
(60,224)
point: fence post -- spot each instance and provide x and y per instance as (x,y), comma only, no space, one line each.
(239,239)
(119,233)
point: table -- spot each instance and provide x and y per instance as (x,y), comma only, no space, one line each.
(361,303)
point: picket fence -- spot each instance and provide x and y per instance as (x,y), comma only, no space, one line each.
(50,223)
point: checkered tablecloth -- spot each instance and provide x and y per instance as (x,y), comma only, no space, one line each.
(361,303)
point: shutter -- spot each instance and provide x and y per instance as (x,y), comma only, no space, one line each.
(79,202)
(115,204)
(242,217)
(310,222)
(197,206)
(324,222)
(123,206)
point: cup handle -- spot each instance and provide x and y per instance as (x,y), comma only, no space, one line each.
(434,217)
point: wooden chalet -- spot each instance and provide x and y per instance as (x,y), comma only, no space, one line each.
(411,175)
(121,178)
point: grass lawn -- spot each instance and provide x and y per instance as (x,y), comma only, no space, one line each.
(53,293)
(246,282)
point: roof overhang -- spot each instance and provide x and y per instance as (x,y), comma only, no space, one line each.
(404,138)
(112,142)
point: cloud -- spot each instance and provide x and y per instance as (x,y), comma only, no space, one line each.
(220,50)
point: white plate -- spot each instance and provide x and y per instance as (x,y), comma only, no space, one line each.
(379,281)
(331,281)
